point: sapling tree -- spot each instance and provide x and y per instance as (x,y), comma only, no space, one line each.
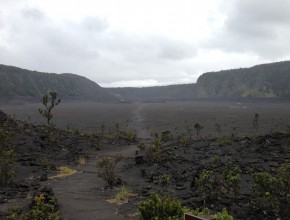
(218,128)
(103,130)
(7,157)
(256,121)
(49,101)
(197,128)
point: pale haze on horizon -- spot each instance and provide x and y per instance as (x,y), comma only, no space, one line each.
(142,43)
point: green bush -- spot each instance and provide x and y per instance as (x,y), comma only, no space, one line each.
(231,180)
(184,139)
(271,192)
(128,136)
(106,169)
(43,208)
(141,145)
(160,207)
(223,215)
(208,184)
(214,185)
(49,101)
(166,136)
(7,157)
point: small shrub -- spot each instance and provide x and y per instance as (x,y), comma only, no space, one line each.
(123,196)
(7,157)
(160,207)
(43,208)
(7,160)
(215,159)
(106,169)
(197,128)
(94,141)
(218,129)
(271,192)
(166,136)
(49,101)
(141,145)
(223,215)
(256,121)
(225,141)
(129,136)
(103,130)
(165,180)
(184,139)
(231,179)
(14,213)
(208,184)
(153,152)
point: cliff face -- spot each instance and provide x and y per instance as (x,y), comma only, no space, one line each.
(17,82)
(261,81)
(267,80)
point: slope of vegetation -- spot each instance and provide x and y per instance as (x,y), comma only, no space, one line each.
(266,80)
(17,82)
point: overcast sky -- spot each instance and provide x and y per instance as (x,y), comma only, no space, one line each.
(142,42)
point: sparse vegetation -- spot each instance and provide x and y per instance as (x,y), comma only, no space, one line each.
(223,215)
(141,145)
(218,129)
(124,195)
(43,208)
(63,171)
(231,180)
(197,128)
(174,164)
(184,139)
(7,157)
(256,121)
(166,136)
(106,169)
(212,185)
(49,101)
(271,193)
(160,207)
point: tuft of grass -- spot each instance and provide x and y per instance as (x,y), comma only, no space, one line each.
(122,196)
(63,171)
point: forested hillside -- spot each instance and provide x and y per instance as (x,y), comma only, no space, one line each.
(266,80)
(17,82)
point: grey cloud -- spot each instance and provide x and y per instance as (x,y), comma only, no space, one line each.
(33,13)
(90,48)
(177,51)
(95,24)
(1,20)
(260,27)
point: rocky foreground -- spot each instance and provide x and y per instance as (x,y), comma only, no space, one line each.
(36,158)
(249,176)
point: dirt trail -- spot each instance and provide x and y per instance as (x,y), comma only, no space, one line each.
(137,122)
(81,196)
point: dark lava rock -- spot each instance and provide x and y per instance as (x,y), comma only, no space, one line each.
(139,160)
(3,117)
(43,177)
(147,187)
